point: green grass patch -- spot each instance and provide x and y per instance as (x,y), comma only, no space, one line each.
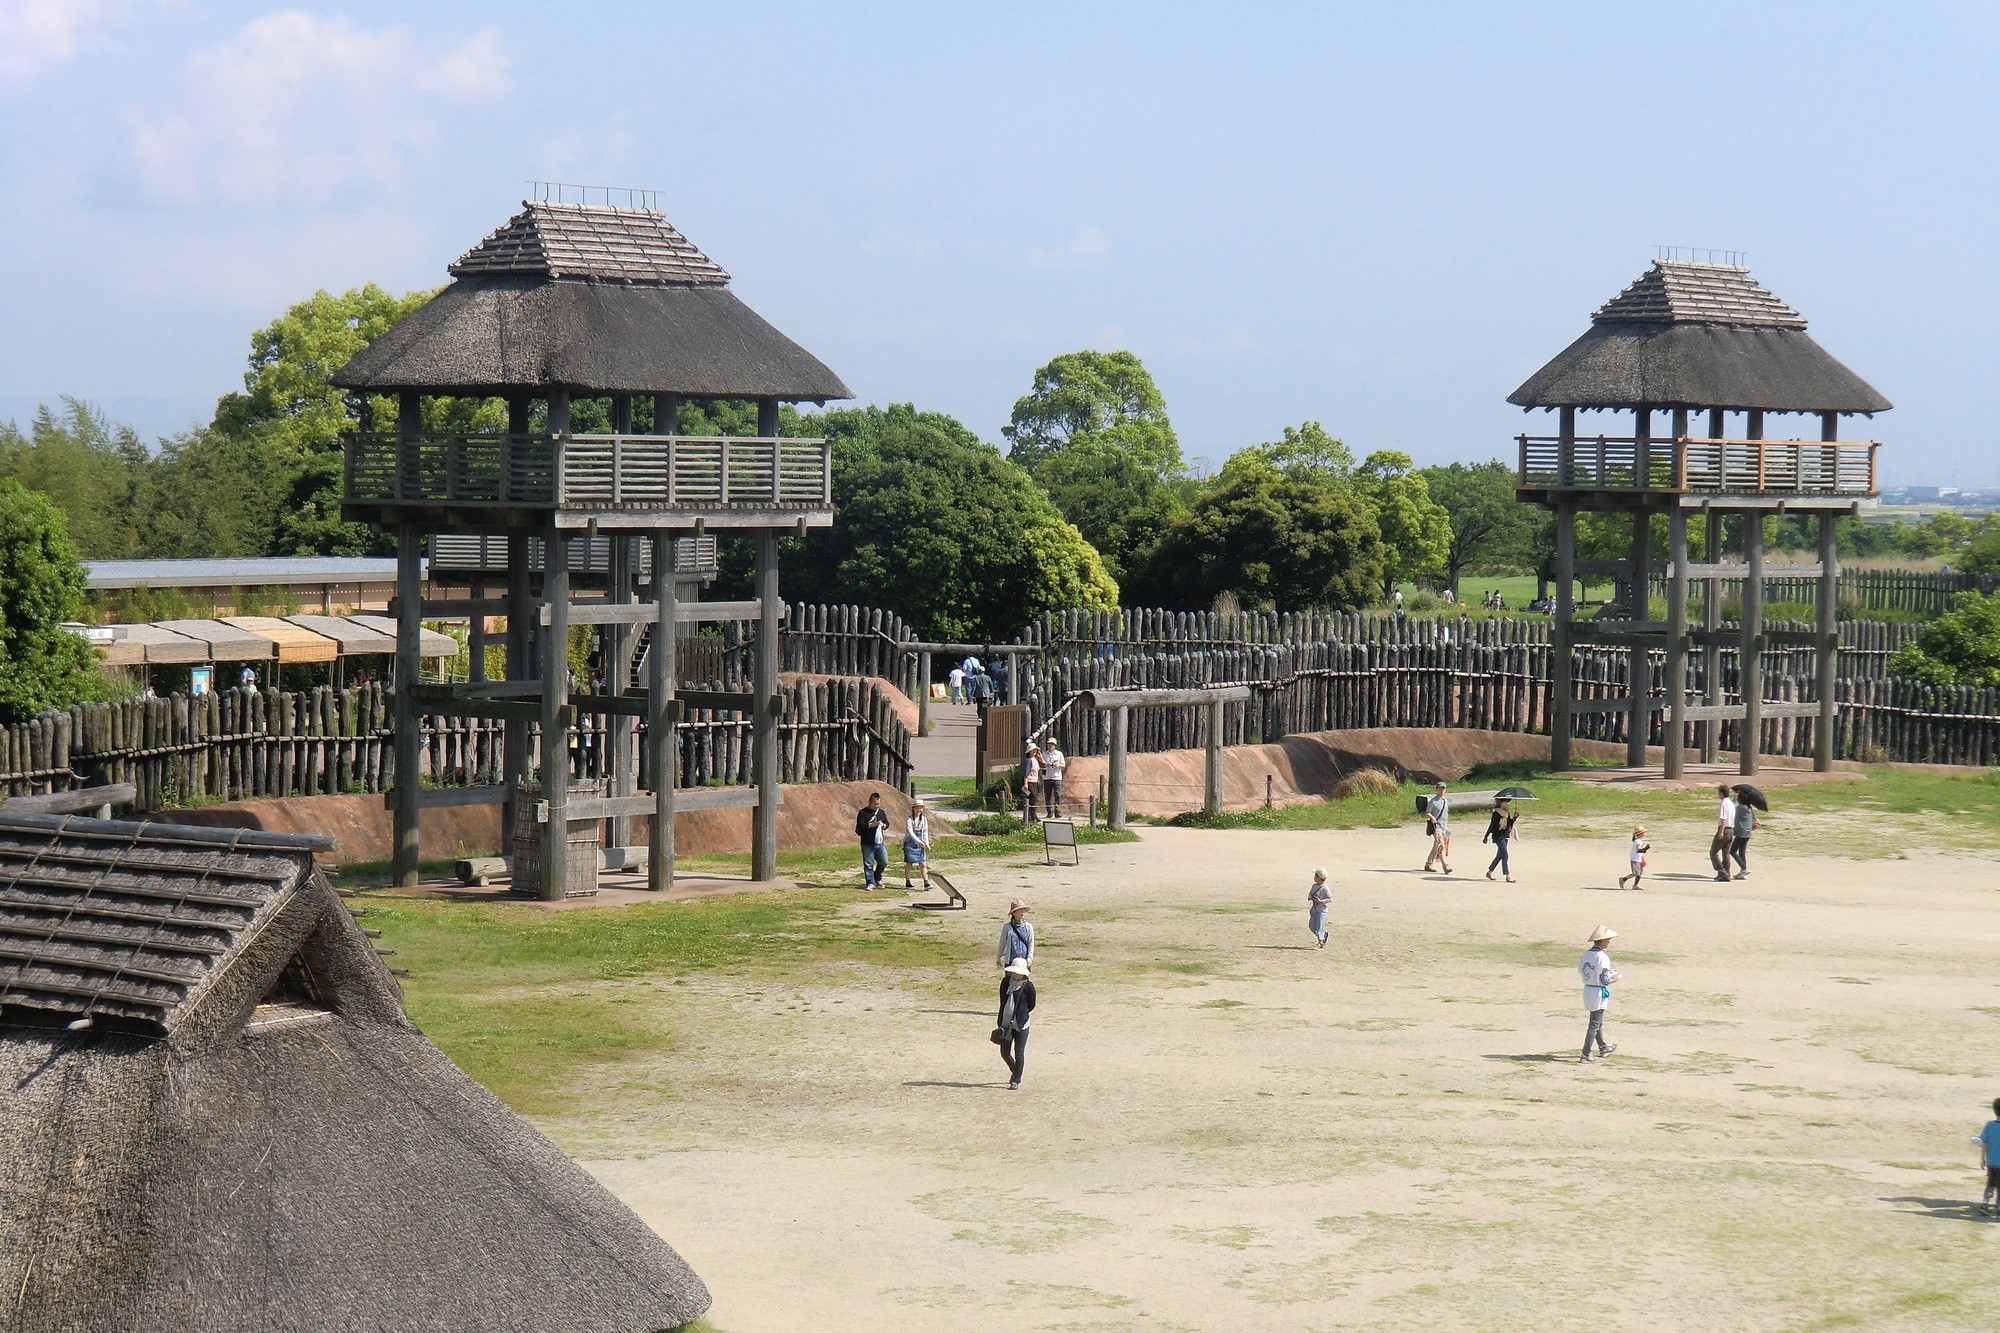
(525,998)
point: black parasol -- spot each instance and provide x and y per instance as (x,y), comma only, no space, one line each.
(1752,795)
(1515,794)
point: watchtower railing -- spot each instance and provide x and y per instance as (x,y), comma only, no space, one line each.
(1698,466)
(589,471)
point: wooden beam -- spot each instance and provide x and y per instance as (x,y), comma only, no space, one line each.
(1738,712)
(1129,698)
(1700,570)
(76,801)
(1612,706)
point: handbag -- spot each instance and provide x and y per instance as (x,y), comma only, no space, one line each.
(999,1037)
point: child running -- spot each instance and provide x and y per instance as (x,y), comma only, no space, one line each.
(1317,898)
(1639,849)
(1989,1139)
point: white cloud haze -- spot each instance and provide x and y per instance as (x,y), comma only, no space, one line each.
(38,35)
(298,109)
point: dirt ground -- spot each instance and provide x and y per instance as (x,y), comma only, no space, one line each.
(1224,1129)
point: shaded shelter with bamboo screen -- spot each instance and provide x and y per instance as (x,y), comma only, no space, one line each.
(578,300)
(1699,342)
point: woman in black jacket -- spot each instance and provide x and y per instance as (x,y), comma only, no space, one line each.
(1017,1002)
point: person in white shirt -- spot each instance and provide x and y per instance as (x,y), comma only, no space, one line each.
(1725,834)
(1053,763)
(957,694)
(1437,815)
(1598,975)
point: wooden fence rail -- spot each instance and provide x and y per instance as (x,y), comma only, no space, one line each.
(1871,589)
(245,744)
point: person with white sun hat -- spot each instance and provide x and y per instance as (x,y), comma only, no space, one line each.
(1598,976)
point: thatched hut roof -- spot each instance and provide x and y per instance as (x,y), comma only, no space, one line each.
(218,1117)
(596,301)
(1698,336)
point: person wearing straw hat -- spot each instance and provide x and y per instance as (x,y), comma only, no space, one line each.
(1317,899)
(1031,780)
(1017,937)
(1598,975)
(1017,1004)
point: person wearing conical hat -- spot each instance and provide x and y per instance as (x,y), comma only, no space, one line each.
(1598,976)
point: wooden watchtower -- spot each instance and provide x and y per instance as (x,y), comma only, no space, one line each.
(573,301)
(1699,342)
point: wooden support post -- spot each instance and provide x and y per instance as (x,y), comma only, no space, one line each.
(1211,772)
(662,748)
(764,820)
(1565,446)
(923,691)
(617,640)
(475,638)
(1751,667)
(1677,637)
(1115,804)
(1562,684)
(520,666)
(409,662)
(555,711)
(1829,641)
(1639,660)
(1711,652)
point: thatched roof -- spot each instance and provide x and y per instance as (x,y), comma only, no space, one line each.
(592,300)
(1698,336)
(218,1117)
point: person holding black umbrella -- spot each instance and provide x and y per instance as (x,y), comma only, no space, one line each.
(1502,828)
(1745,823)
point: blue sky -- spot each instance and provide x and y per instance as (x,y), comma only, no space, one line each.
(1379,217)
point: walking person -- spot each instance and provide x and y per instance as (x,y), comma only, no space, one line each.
(1031,781)
(1988,1140)
(1317,899)
(1638,858)
(957,690)
(1437,823)
(1502,828)
(917,845)
(1017,937)
(870,825)
(1598,975)
(1741,827)
(1725,834)
(1017,1006)
(1053,764)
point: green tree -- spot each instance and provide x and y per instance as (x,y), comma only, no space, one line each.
(1488,524)
(1119,504)
(289,419)
(1982,553)
(1961,647)
(1415,530)
(935,524)
(42,665)
(1107,397)
(1269,539)
(97,474)
(1308,453)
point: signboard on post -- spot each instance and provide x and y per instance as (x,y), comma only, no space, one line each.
(1060,833)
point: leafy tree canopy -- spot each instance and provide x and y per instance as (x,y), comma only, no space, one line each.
(1488,525)
(97,474)
(937,525)
(1961,647)
(1416,531)
(1270,539)
(1106,397)
(42,665)
(1982,553)
(1119,504)
(1308,453)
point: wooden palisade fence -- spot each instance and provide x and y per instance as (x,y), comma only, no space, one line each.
(244,744)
